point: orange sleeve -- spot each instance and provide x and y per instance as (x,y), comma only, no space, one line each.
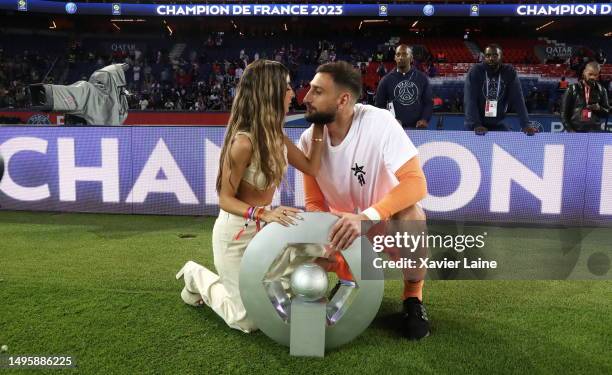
(411,189)
(314,197)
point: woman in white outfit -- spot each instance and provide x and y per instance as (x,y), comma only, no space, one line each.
(253,163)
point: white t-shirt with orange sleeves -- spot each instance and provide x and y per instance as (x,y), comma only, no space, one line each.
(360,171)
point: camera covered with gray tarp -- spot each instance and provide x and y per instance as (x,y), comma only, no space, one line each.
(100,101)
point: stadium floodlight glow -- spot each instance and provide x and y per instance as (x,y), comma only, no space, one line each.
(128,20)
(371,21)
(545,25)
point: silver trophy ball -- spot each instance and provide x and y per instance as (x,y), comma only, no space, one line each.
(309,282)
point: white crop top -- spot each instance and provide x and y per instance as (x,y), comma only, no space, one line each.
(253,174)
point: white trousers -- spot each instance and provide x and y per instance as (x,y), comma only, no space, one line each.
(221,291)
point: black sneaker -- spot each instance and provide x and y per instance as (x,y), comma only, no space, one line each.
(415,324)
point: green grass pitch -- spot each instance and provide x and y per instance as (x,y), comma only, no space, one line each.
(101,288)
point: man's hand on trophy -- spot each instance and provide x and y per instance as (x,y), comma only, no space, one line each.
(346,230)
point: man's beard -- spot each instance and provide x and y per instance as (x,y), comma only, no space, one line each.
(320,118)
(492,68)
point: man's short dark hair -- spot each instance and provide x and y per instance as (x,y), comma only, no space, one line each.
(494,46)
(345,75)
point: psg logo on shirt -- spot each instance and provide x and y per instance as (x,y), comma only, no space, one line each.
(493,94)
(406,93)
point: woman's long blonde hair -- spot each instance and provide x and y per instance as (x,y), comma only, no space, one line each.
(259,108)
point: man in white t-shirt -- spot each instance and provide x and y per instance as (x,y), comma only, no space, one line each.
(369,171)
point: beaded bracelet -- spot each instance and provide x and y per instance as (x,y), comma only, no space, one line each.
(252,213)
(247,215)
(260,211)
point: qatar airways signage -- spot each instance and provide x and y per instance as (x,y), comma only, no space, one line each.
(500,177)
(559,51)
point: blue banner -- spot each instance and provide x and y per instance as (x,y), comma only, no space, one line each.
(500,177)
(504,177)
(259,10)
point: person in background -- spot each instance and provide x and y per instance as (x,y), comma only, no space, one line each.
(490,89)
(406,92)
(585,103)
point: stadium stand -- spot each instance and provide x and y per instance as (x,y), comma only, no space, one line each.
(199,73)
(515,51)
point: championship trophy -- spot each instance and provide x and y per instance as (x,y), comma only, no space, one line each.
(298,313)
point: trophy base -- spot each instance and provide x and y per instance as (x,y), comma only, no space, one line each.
(307,333)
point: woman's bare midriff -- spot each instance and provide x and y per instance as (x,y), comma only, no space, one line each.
(250,195)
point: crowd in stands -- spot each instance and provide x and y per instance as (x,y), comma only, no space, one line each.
(16,72)
(199,79)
